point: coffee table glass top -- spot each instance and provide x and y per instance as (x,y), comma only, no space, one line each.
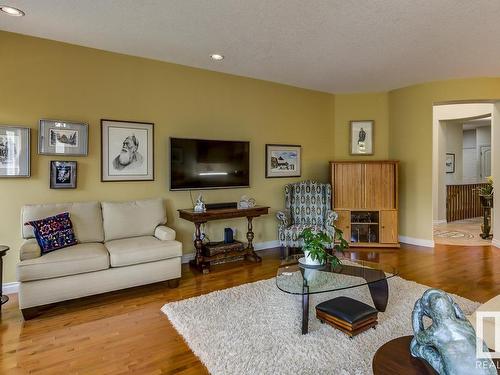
(294,278)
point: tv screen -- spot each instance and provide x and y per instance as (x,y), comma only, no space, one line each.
(206,164)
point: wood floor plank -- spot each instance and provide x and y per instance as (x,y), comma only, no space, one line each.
(124,332)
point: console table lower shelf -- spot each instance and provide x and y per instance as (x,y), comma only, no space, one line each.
(201,261)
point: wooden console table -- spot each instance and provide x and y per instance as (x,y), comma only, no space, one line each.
(201,262)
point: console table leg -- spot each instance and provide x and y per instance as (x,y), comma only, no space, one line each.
(250,235)
(198,261)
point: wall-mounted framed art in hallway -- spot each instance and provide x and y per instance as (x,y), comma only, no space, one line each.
(14,151)
(283,161)
(450,163)
(361,137)
(127,151)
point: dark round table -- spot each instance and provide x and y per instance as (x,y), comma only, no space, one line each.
(3,251)
(394,358)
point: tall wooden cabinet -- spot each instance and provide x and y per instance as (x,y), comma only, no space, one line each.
(365,196)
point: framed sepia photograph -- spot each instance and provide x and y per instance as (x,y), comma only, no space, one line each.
(283,161)
(58,137)
(450,163)
(127,151)
(14,151)
(361,138)
(62,174)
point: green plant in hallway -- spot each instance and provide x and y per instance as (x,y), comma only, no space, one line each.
(486,189)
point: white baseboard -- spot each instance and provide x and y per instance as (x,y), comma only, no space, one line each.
(416,241)
(10,288)
(496,242)
(438,222)
(257,246)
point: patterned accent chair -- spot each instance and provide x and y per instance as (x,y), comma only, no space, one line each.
(307,204)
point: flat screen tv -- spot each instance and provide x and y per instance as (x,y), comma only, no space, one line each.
(207,164)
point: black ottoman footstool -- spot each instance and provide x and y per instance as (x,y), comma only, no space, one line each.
(347,314)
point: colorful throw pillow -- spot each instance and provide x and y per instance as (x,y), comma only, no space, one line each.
(54,232)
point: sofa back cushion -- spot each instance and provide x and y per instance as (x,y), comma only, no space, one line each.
(132,219)
(86,218)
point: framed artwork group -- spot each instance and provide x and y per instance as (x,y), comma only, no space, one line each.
(127,150)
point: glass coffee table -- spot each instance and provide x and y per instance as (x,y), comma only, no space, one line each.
(295,278)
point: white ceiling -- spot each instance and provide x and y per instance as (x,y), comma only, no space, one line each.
(326,45)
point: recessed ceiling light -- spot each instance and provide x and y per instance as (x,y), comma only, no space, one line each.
(11,11)
(216,57)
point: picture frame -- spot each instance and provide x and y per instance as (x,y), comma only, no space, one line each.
(60,137)
(361,139)
(63,174)
(450,163)
(15,146)
(283,161)
(127,151)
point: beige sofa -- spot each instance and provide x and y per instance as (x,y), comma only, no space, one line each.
(120,245)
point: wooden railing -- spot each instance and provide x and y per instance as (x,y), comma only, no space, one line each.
(462,202)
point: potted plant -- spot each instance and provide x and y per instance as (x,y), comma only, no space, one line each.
(315,243)
(486,193)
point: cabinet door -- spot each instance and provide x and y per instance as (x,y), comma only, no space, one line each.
(380,186)
(389,226)
(344,223)
(347,185)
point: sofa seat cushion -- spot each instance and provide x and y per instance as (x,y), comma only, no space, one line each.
(80,258)
(136,250)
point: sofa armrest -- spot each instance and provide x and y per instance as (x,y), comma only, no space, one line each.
(284,218)
(29,250)
(164,233)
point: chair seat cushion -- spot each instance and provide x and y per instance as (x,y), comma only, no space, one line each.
(347,309)
(80,258)
(136,250)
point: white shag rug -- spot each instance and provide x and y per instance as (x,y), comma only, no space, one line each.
(256,329)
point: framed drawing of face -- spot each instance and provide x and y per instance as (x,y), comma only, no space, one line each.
(14,151)
(58,137)
(62,174)
(283,161)
(127,151)
(361,139)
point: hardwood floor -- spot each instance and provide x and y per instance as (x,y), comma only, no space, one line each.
(125,332)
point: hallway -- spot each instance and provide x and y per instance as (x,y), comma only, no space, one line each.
(461,232)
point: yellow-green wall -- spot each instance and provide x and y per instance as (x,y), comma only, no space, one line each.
(410,141)
(47,79)
(369,106)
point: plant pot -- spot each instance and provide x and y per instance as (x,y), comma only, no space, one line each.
(311,262)
(486,200)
